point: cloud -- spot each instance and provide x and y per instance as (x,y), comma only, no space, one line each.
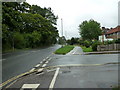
(74,12)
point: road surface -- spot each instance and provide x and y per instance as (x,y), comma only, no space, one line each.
(73,70)
(19,62)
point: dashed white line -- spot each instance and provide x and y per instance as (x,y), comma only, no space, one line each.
(54,79)
(37,65)
(32,69)
(44,65)
(49,59)
(46,62)
(39,70)
(41,62)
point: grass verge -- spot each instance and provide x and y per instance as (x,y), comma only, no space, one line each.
(64,50)
(116,88)
(89,49)
(11,50)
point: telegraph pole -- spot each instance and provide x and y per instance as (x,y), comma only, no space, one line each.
(62,31)
(62,26)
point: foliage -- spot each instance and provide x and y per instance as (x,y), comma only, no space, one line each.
(62,40)
(64,50)
(87,43)
(86,49)
(81,42)
(90,30)
(25,25)
(19,41)
(117,41)
(95,44)
(109,42)
(73,41)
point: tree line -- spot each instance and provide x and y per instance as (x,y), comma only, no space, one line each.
(27,26)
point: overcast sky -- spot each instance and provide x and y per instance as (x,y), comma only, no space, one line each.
(74,12)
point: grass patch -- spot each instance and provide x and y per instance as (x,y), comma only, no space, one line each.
(89,49)
(116,88)
(11,50)
(64,50)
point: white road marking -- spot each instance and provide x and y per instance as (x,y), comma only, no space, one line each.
(44,65)
(46,62)
(49,59)
(30,86)
(40,73)
(51,70)
(37,65)
(2,59)
(54,79)
(41,62)
(39,70)
(32,69)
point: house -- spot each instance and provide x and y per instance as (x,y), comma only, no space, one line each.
(113,33)
(110,34)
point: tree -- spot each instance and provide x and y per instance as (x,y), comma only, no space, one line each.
(90,30)
(24,25)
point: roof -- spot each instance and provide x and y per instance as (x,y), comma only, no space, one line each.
(117,29)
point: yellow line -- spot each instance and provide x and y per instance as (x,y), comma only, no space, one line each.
(14,78)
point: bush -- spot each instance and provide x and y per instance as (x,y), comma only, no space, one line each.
(109,42)
(94,45)
(89,49)
(19,41)
(117,41)
(87,43)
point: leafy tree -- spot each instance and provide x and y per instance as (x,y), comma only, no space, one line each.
(62,40)
(90,30)
(24,25)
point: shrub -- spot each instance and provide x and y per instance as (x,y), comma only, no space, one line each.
(117,41)
(19,41)
(109,42)
(94,45)
(87,43)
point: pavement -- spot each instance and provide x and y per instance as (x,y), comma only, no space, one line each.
(102,52)
(73,70)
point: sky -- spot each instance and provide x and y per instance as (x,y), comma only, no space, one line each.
(74,12)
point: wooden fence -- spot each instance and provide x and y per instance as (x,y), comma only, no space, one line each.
(109,47)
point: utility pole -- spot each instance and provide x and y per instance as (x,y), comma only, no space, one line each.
(62,31)
(62,26)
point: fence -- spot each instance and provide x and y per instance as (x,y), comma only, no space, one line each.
(109,47)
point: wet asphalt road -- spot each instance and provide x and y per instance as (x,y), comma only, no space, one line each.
(19,62)
(75,70)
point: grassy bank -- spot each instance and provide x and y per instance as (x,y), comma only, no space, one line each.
(64,50)
(85,49)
